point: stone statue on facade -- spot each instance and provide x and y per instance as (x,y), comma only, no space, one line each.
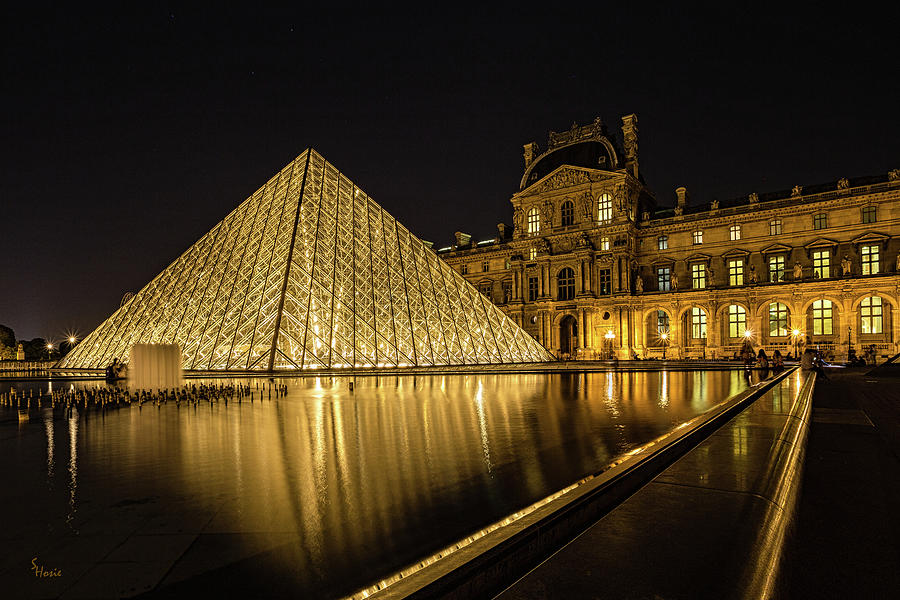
(674,281)
(584,241)
(518,217)
(798,271)
(753,276)
(843,183)
(797,191)
(754,198)
(894,175)
(845,266)
(714,205)
(543,246)
(638,284)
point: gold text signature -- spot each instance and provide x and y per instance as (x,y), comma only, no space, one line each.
(40,571)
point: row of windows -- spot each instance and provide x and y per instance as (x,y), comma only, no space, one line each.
(871,313)
(820,221)
(870,259)
(567,214)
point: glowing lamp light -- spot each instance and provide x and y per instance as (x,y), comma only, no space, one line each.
(49,346)
(664,335)
(747,333)
(609,335)
(795,332)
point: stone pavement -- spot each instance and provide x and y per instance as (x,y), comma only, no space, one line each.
(846,541)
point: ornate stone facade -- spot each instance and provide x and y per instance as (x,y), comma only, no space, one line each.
(815,265)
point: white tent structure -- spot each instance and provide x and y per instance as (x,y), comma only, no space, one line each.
(309,272)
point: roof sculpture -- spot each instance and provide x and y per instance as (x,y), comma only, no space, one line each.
(309,272)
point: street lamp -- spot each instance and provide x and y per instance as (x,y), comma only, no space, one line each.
(795,334)
(664,336)
(610,336)
(49,350)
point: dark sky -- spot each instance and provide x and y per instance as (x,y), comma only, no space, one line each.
(128,135)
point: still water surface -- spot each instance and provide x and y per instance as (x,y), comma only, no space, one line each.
(325,491)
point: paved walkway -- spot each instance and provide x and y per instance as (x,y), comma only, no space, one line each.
(846,542)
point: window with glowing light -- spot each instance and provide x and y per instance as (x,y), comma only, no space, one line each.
(822,263)
(604,208)
(565,284)
(605,281)
(534,221)
(698,323)
(662,242)
(698,276)
(697,237)
(868,214)
(663,279)
(776,268)
(820,221)
(737,321)
(532,253)
(662,322)
(871,262)
(822,317)
(567,213)
(871,315)
(778,319)
(736,271)
(735,232)
(604,243)
(775,227)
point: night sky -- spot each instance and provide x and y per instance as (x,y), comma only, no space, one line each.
(127,136)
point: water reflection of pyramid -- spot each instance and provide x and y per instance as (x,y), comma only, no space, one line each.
(309,272)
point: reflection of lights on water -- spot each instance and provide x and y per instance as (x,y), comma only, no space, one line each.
(48,426)
(73,465)
(482,426)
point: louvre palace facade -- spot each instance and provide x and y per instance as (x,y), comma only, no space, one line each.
(593,268)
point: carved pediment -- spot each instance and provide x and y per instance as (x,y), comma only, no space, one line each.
(821,243)
(736,253)
(871,237)
(699,257)
(565,176)
(776,249)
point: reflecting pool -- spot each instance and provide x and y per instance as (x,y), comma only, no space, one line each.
(322,491)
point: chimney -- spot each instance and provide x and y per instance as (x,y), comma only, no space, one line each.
(462,239)
(629,133)
(531,152)
(682,194)
(501,229)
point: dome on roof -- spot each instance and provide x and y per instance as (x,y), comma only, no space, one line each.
(592,154)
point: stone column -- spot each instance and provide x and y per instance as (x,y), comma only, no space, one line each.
(615,276)
(548,331)
(588,328)
(579,280)
(581,327)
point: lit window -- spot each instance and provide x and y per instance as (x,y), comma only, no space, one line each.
(532,253)
(662,242)
(605,281)
(565,284)
(532,289)
(868,214)
(604,208)
(778,319)
(737,321)
(871,313)
(823,322)
(662,322)
(698,276)
(485,266)
(485,288)
(870,260)
(775,227)
(698,323)
(534,221)
(820,221)
(698,237)
(464,269)
(822,263)
(735,232)
(736,271)
(567,213)
(604,243)
(776,268)
(663,279)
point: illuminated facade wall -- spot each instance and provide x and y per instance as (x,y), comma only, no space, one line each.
(592,268)
(309,272)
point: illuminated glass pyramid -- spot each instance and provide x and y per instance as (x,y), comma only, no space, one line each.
(309,272)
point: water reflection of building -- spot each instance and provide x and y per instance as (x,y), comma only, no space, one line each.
(592,267)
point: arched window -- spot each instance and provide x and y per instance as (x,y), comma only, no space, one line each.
(567,213)
(823,317)
(778,319)
(534,221)
(871,313)
(737,321)
(698,323)
(604,208)
(565,284)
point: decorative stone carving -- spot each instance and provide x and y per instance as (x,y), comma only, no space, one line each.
(797,191)
(565,178)
(753,277)
(518,219)
(674,281)
(754,198)
(678,211)
(584,241)
(843,183)
(714,205)
(798,271)
(894,175)
(547,214)
(845,266)
(575,134)
(585,204)
(645,216)
(543,246)
(531,152)
(638,285)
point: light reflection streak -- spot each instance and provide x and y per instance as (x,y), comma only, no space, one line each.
(664,390)
(73,465)
(482,427)
(48,427)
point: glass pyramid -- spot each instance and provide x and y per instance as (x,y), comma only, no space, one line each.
(309,272)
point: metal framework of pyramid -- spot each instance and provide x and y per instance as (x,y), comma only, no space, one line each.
(309,272)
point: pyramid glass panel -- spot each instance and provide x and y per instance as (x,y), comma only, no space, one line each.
(309,273)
